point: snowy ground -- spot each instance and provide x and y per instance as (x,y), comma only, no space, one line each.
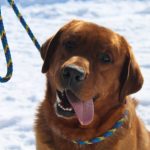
(20,97)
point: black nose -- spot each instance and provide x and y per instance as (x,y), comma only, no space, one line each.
(72,75)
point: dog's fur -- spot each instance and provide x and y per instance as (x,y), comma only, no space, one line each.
(112,83)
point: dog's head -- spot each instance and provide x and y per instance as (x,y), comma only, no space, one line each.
(89,67)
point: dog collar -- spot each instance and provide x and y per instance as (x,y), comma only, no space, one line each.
(107,134)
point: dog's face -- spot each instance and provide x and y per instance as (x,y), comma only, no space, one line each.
(89,67)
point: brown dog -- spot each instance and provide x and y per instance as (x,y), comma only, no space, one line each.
(90,73)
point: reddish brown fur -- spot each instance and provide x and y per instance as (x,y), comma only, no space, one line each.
(111,83)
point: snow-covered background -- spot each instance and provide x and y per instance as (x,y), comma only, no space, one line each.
(20,97)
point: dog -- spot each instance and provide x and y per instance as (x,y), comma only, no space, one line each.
(91,72)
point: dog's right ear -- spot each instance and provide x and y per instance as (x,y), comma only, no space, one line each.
(48,49)
(45,47)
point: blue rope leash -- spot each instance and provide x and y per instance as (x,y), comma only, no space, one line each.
(5,43)
(24,24)
(6,52)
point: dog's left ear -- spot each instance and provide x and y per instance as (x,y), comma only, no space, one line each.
(131,79)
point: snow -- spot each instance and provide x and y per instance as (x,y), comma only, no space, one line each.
(21,95)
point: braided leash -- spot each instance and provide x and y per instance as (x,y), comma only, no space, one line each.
(5,43)
(24,24)
(6,51)
(107,134)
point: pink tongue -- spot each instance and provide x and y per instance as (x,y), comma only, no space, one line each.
(84,110)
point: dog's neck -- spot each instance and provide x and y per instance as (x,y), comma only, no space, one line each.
(107,134)
(106,115)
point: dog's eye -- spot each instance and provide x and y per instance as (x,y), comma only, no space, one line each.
(69,45)
(105,58)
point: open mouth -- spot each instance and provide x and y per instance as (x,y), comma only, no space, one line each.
(63,106)
(69,105)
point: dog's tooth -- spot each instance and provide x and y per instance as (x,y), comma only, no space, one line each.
(67,109)
(70,109)
(64,109)
(60,105)
(57,98)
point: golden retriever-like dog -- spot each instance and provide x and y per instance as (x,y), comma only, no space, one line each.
(91,71)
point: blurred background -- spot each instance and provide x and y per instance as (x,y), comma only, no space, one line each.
(20,97)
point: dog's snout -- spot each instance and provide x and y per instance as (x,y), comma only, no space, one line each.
(72,74)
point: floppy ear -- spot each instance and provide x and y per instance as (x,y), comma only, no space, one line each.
(45,47)
(48,49)
(131,79)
